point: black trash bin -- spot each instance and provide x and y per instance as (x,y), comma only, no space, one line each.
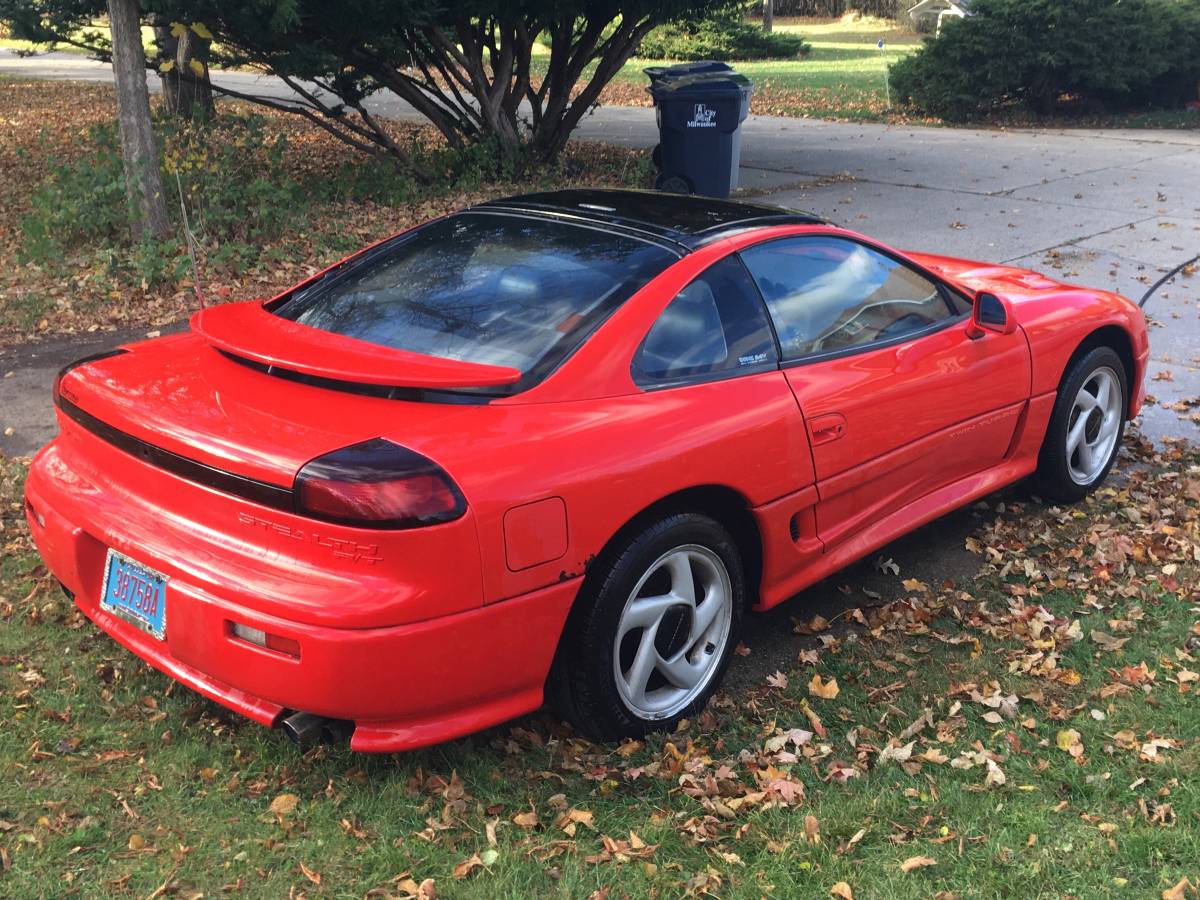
(699,123)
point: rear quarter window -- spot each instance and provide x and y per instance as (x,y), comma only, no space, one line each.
(714,328)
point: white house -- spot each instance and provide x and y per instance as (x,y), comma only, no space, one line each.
(941,10)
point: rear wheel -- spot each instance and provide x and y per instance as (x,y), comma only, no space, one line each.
(1086,427)
(653,630)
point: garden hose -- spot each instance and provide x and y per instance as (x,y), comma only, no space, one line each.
(1175,271)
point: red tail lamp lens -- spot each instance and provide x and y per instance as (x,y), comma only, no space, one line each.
(378,484)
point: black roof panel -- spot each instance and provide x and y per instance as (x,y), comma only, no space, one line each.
(683,219)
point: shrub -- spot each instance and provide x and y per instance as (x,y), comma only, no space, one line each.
(79,201)
(1056,56)
(724,36)
(233,178)
(237,192)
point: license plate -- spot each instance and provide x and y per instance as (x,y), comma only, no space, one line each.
(135,593)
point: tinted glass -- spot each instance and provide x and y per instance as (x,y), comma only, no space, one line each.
(828,294)
(485,288)
(991,311)
(715,325)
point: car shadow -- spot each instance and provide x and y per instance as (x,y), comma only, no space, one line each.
(934,553)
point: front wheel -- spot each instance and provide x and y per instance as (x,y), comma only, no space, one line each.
(653,631)
(1086,427)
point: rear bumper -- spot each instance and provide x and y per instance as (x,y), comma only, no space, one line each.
(403,686)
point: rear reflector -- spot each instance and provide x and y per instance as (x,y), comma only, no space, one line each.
(32,512)
(378,484)
(260,638)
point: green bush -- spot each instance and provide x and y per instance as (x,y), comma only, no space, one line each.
(82,201)
(725,36)
(1054,56)
(236,190)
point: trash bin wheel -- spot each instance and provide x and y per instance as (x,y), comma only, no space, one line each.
(674,184)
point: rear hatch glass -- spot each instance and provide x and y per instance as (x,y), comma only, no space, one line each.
(479,287)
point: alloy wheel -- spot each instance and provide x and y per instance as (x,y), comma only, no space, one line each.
(1094,425)
(672,632)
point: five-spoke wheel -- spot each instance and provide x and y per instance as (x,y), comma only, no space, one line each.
(1094,425)
(1086,426)
(676,619)
(653,629)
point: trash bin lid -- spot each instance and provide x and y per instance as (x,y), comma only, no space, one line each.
(679,70)
(702,83)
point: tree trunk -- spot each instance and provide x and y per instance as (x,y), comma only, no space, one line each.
(143,184)
(186,93)
(768,14)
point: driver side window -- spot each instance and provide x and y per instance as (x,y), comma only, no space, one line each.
(827,294)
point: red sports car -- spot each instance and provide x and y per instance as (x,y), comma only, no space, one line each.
(554,444)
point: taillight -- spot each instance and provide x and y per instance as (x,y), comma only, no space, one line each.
(378,484)
(56,391)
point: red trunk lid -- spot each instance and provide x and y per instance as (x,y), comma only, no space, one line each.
(184,395)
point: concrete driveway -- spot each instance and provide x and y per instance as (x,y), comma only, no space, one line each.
(1109,209)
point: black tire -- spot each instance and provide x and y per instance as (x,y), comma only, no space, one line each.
(674,184)
(1058,476)
(583,681)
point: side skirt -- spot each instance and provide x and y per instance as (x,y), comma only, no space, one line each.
(1020,461)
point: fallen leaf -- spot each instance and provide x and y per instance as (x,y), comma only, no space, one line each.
(284,804)
(526,819)
(815,625)
(917,862)
(468,866)
(1069,741)
(896,753)
(1107,641)
(842,890)
(314,877)
(826,690)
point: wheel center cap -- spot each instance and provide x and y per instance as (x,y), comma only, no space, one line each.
(673,631)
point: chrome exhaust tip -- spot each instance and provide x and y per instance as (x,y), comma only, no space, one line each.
(304,729)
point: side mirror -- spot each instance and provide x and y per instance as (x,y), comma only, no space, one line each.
(991,313)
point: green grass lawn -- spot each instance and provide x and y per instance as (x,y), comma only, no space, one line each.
(843,76)
(1034,732)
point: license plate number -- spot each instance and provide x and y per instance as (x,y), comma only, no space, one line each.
(135,593)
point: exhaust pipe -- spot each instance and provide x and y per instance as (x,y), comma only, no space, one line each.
(305,729)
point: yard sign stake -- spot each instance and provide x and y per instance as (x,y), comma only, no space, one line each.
(887,82)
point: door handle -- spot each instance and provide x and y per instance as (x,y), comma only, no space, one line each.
(826,428)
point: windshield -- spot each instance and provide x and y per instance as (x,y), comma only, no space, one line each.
(483,287)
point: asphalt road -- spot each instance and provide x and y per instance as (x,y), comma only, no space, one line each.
(1110,209)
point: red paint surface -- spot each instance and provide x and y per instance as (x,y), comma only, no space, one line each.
(429,633)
